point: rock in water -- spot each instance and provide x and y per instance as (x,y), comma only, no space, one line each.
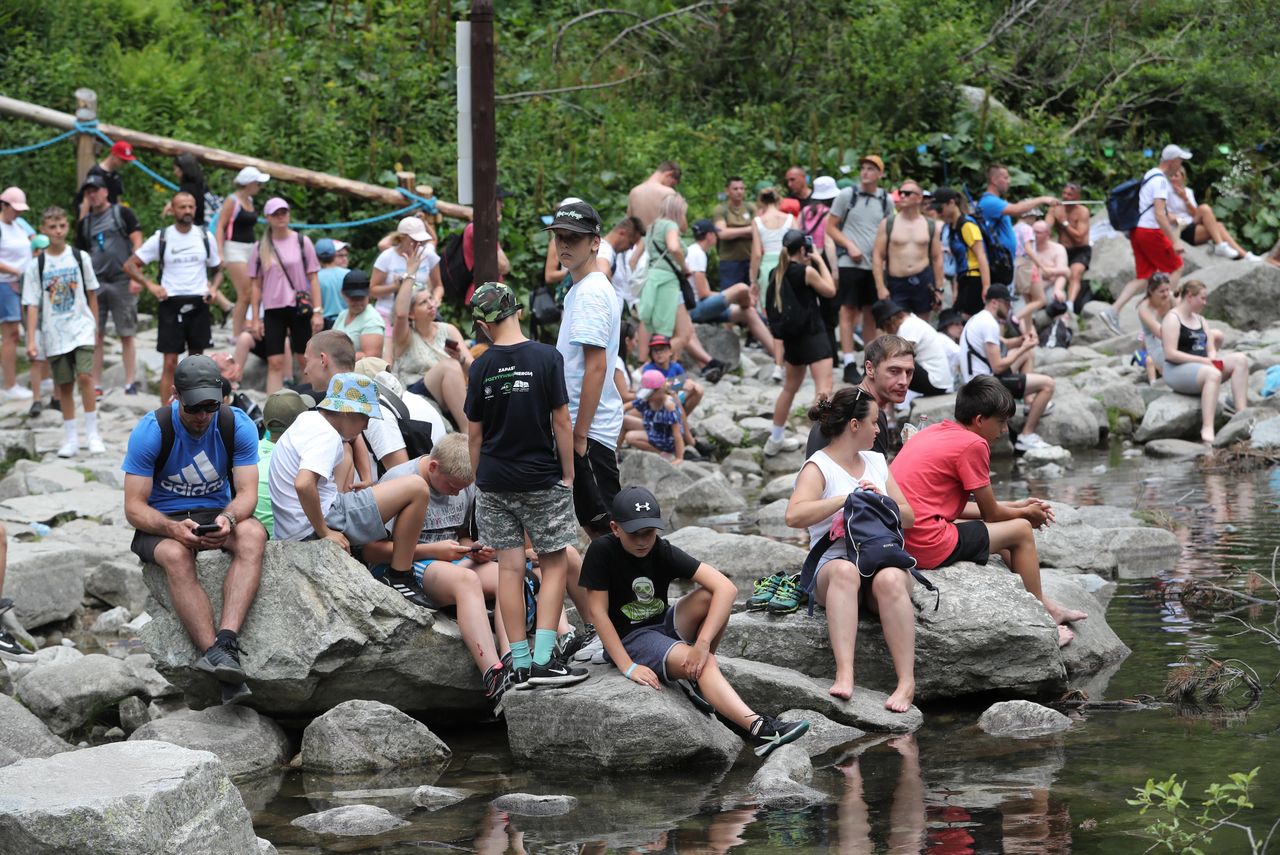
(1022,719)
(359,736)
(608,722)
(1171,416)
(24,734)
(246,742)
(782,781)
(67,696)
(127,797)
(823,734)
(350,821)
(434,798)
(322,631)
(527,804)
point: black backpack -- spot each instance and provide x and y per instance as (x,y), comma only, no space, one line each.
(1122,204)
(999,259)
(226,430)
(204,234)
(415,432)
(853,201)
(787,313)
(456,277)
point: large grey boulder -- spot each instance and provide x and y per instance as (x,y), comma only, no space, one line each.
(1125,548)
(1172,416)
(529,804)
(321,631)
(1250,299)
(1096,646)
(1077,420)
(45,581)
(24,734)
(350,821)
(712,494)
(654,472)
(118,582)
(721,342)
(247,743)
(823,734)
(1022,720)
(1265,434)
(127,797)
(359,736)
(609,722)
(742,557)
(782,780)
(90,501)
(66,697)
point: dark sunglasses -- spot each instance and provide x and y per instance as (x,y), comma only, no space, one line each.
(208,408)
(907,192)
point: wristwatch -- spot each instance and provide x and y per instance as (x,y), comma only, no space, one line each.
(231,519)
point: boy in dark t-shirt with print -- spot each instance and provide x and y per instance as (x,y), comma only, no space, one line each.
(627,574)
(521,443)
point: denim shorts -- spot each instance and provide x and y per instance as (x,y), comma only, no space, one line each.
(545,515)
(10,304)
(712,310)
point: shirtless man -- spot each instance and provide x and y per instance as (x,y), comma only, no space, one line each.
(644,199)
(1071,220)
(1050,260)
(907,259)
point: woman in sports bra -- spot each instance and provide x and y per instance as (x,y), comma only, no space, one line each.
(1192,364)
(236,236)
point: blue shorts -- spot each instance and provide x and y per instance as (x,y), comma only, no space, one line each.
(649,645)
(10,304)
(712,310)
(733,272)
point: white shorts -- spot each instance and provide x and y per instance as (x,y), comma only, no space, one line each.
(236,252)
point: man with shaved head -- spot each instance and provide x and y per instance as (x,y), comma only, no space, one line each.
(907,259)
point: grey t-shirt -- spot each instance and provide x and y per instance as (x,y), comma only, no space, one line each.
(446,515)
(863,220)
(105,237)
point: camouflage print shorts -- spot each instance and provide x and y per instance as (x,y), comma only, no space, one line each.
(546,515)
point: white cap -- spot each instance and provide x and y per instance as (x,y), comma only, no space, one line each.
(824,188)
(250,174)
(414,228)
(339,246)
(569,200)
(1174,152)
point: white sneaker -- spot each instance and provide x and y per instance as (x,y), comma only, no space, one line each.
(95,444)
(1227,251)
(591,652)
(70,448)
(775,446)
(1256,259)
(777,375)
(1028,441)
(1111,318)
(17,393)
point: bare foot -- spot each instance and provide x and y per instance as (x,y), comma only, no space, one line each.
(900,700)
(1065,636)
(1206,436)
(1061,615)
(841,689)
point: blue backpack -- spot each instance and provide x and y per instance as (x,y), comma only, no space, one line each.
(1122,204)
(872,538)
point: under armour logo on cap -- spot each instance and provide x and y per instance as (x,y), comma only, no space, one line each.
(635,508)
(642,506)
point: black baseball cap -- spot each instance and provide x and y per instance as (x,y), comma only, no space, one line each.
(198,380)
(93,179)
(883,310)
(576,217)
(635,508)
(999,292)
(702,228)
(355,284)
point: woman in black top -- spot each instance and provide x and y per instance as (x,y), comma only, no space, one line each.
(186,168)
(1192,364)
(801,276)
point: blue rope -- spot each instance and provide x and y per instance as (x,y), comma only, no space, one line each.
(37,146)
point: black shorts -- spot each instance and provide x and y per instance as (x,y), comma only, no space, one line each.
(920,383)
(183,325)
(807,349)
(913,293)
(277,323)
(595,483)
(968,294)
(974,544)
(144,543)
(856,287)
(1188,234)
(1015,382)
(1079,255)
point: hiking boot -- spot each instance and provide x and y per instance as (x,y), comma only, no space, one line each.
(851,375)
(235,693)
(554,673)
(764,592)
(406,586)
(496,680)
(571,642)
(694,693)
(11,650)
(691,454)
(777,446)
(222,660)
(713,371)
(788,598)
(769,733)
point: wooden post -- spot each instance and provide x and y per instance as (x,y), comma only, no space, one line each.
(484,146)
(86,155)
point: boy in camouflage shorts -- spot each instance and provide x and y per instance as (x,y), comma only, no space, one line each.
(522,454)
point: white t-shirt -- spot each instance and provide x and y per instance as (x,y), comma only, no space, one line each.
(310,443)
(621,271)
(392,263)
(185,262)
(1178,209)
(931,354)
(1156,187)
(981,329)
(66,321)
(592,317)
(953,356)
(383,434)
(15,248)
(840,483)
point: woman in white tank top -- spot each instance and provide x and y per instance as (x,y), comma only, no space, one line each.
(827,478)
(770,224)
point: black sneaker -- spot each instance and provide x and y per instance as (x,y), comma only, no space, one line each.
(554,673)
(235,693)
(694,693)
(495,685)
(705,448)
(11,650)
(222,660)
(37,407)
(770,733)
(571,642)
(713,371)
(691,454)
(406,586)
(851,374)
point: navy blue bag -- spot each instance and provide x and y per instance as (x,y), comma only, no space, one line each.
(872,538)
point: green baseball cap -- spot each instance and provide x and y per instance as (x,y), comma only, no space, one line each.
(492,302)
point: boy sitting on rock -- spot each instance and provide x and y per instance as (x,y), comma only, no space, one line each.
(627,574)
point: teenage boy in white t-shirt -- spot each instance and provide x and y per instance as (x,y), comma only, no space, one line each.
(59,290)
(182,318)
(589,334)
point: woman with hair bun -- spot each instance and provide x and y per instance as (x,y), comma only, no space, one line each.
(1192,364)
(827,478)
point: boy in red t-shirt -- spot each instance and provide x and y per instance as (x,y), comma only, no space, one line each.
(938,470)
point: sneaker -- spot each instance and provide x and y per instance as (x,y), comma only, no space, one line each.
(406,586)
(694,693)
(1255,259)
(777,376)
(1111,318)
(554,673)
(713,371)
(95,444)
(765,589)
(851,374)
(770,733)
(691,454)
(495,686)
(70,448)
(11,650)
(590,652)
(776,446)
(17,393)
(1048,408)
(704,448)
(1028,441)
(235,693)
(1226,250)
(131,389)
(37,407)
(788,598)
(222,660)
(571,642)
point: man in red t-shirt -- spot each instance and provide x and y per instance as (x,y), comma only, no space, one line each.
(942,465)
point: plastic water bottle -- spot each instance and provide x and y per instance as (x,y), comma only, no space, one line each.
(910,430)
(40,529)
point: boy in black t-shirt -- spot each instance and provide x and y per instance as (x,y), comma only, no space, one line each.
(521,443)
(627,574)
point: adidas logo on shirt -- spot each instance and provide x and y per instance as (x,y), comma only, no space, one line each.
(198,478)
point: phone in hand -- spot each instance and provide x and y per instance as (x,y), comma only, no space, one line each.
(477,547)
(450,344)
(207,528)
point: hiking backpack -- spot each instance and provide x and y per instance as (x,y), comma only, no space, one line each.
(999,259)
(226,430)
(853,201)
(1057,334)
(871,528)
(415,432)
(1122,204)
(455,276)
(786,313)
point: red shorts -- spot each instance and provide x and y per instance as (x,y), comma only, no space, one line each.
(1152,252)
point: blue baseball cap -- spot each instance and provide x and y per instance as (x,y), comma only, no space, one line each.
(325,249)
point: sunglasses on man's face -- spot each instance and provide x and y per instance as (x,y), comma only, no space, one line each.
(207,408)
(907,192)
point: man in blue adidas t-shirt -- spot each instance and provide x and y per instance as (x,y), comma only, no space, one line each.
(167,500)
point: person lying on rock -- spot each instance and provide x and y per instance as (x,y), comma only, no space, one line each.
(849,421)
(179,469)
(652,641)
(938,470)
(314,456)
